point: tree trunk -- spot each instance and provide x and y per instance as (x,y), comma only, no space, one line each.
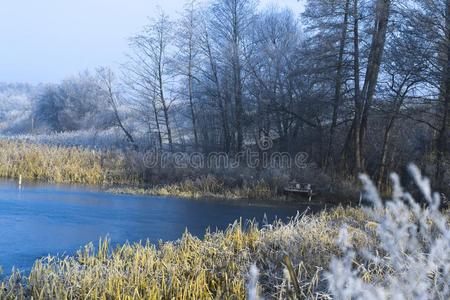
(165,108)
(222,106)
(112,100)
(358,103)
(383,8)
(337,90)
(237,84)
(239,109)
(127,133)
(191,100)
(443,134)
(400,95)
(158,127)
(386,140)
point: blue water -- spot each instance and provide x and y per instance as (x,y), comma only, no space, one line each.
(38,220)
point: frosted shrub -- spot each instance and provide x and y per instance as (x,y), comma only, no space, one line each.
(252,286)
(412,257)
(89,138)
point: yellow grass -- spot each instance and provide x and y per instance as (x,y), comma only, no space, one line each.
(84,166)
(206,187)
(215,267)
(63,164)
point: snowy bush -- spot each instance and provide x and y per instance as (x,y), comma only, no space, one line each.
(15,107)
(90,138)
(412,258)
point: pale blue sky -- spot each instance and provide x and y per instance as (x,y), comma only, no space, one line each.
(48,40)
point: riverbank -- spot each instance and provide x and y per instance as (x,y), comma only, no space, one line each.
(395,250)
(297,260)
(124,172)
(208,187)
(191,268)
(259,193)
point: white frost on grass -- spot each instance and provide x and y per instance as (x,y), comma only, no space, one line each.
(414,248)
(252,286)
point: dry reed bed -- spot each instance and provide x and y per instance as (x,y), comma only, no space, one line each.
(213,268)
(396,250)
(65,164)
(86,166)
(206,187)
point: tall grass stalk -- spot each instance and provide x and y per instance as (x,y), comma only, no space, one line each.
(411,259)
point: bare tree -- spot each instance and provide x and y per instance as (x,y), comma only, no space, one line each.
(382,13)
(230,21)
(403,78)
(211,73)
(106,81)
(187,42)
(338,87)
(270,62)
(150,68)
(429,22)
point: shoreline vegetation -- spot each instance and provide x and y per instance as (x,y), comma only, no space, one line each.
(199,189)
(342,253)
(123,172)
(305,258)
(214,267)
(57,164)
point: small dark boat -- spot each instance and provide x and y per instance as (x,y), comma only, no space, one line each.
(299,190)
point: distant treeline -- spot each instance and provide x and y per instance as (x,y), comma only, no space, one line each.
(359,85)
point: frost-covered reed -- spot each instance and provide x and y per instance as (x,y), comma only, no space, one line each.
(412,254)
(70,164)
(395,250)
(67,164)
(89,138)
(210,187)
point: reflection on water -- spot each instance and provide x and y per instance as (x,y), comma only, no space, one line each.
(54,219)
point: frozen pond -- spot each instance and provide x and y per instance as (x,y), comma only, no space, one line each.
(41,219)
